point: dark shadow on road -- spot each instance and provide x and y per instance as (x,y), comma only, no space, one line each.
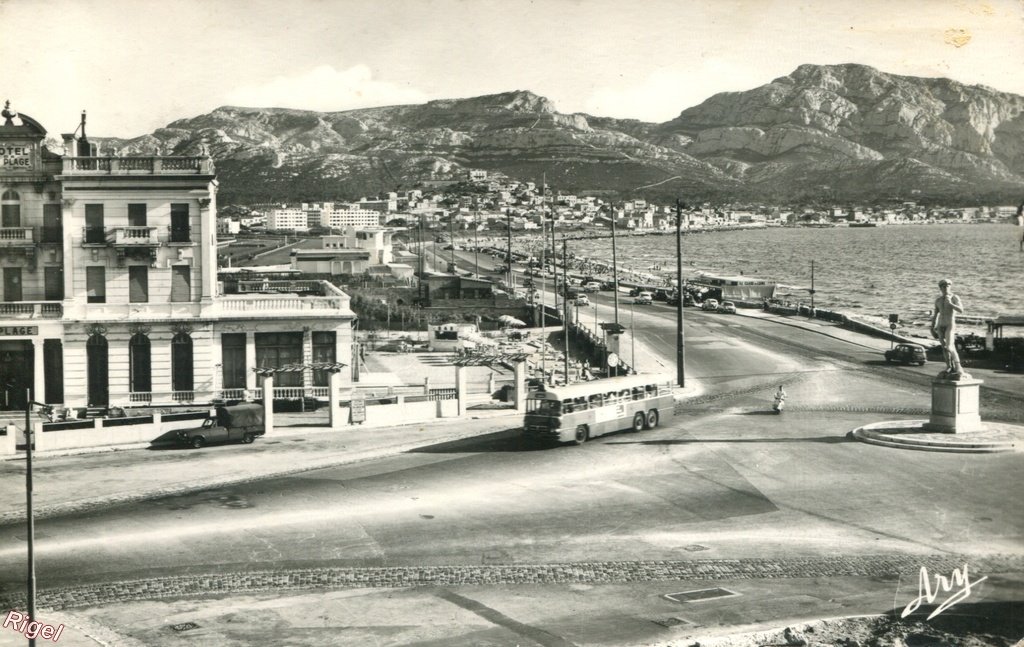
(759,413)
(510,440)
(828,440)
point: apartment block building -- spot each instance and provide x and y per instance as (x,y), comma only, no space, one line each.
(110,291)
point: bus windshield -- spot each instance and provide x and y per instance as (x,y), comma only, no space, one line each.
(544,407)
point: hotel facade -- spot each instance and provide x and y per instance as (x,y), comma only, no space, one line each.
(110,289)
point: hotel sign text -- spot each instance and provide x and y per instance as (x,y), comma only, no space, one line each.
(11,331)
(16,156)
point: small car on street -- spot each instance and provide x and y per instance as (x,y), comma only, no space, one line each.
(644,299)
(240,422)
(582,300)
(907,354)
(592,286)
(710,305)
(727,307)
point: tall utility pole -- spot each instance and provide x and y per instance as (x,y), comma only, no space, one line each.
(615,295)
(508,221)
(543,313)
(680,353)
(565,304)
(31,531)
(451,237)
(476,243)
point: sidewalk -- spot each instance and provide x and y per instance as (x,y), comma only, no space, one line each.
(72,483)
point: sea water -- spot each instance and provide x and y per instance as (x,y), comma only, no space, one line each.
(868,273)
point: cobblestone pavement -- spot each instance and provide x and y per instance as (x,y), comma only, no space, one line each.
(875,566)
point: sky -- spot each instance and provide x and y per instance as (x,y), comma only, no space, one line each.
(137,65)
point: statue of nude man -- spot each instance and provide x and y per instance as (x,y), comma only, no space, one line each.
(947,307)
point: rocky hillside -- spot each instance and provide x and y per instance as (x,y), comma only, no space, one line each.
(826,133)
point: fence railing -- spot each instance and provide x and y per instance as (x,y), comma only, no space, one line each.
(15,235)
(137,165)
(31,310)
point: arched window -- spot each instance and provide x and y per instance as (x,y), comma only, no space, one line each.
(11,208)
(181,363)
(140,374)
(96,360)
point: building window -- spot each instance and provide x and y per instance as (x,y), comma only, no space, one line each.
(136,215)
(53,283)
(232,348)
(94,232)
(277,349)
(181,232)
(181,363)
(324,350)
(12,284)
(96,359)
(140,373)
(53,231)
(181,283)
(138,284)
(96,284)
(11,209)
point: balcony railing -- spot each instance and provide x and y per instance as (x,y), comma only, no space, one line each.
(16,236)
(31,310)
(137,165)
(285,296)
(94,236)
(180,234)
(51,235)
(133,236)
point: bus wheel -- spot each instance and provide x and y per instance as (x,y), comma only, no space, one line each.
(652,418)
(582,435)
(639,421)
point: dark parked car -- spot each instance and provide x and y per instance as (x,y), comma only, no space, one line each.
(907,353)
(240,422)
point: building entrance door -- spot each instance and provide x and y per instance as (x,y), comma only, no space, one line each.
(16,374)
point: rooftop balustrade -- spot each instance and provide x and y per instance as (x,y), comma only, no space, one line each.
(153,165)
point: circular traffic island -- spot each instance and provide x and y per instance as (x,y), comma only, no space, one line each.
(913,434)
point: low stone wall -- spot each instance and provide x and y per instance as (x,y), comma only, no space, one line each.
(101,432)
(383,415)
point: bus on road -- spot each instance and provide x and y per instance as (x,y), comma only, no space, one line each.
(578,412)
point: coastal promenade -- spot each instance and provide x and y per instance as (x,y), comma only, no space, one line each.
(785,514)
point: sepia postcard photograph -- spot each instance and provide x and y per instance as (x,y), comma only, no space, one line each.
(521,323)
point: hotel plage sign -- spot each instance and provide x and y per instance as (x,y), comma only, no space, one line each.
(15,156)
(18,331)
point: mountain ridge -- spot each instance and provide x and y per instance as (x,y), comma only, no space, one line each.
(835,132)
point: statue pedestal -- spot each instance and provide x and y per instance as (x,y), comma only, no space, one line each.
(955,406)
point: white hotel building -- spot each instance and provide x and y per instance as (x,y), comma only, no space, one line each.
(328,215)
(110,292)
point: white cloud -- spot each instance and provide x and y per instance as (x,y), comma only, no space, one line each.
(325,89)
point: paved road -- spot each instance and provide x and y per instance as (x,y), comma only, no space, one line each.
(719,476)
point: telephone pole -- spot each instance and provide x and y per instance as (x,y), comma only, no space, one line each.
(680,342)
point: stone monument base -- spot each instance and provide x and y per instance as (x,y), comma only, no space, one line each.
(955,405)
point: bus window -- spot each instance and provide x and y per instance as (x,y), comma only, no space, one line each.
(581,404)
(595,400)
(638,393)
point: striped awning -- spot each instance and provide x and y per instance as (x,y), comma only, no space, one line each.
(330,367)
